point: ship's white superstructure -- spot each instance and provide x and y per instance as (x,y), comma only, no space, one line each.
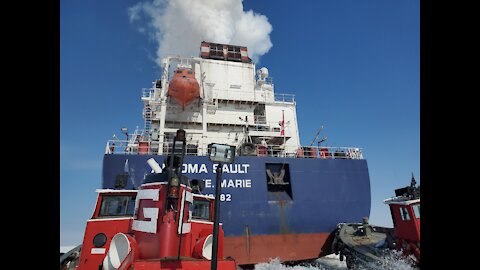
(236,105)
(220,97)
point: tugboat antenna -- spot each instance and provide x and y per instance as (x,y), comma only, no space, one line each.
(414,182)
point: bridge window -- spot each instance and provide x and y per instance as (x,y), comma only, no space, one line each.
(416,210)
(201,210)
(234,53)
(216,50)
(117,206)
(404,213)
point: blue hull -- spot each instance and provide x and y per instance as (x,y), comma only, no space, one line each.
(321,192)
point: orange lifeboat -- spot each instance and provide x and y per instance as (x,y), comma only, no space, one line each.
(183,87)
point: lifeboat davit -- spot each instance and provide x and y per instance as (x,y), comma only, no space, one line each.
(184,88)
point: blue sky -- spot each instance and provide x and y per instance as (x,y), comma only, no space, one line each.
(354,67)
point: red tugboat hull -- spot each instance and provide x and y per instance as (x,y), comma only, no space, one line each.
(162,225)
(92,253)
(405,210)
(362,243)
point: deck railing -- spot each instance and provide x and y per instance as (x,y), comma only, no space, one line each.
(285,98)
(152,148)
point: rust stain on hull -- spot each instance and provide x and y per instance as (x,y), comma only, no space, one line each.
(287,247)
(284,228)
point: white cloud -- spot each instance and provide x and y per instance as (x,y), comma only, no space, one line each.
(133,13)
(178,26)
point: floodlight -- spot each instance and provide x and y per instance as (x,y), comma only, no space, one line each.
(221,153)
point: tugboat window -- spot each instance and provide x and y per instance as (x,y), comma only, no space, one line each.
(416,211)
(201,210)
(404,213)
(117,206)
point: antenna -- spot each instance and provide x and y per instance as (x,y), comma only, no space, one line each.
(316,136)
(322,140)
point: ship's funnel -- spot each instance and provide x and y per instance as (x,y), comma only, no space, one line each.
(154,165)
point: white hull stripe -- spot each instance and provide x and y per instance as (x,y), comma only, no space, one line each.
(109,219)
(390,201)
(116,191)
(97,251)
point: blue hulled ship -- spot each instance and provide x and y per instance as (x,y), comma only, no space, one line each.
(279,198)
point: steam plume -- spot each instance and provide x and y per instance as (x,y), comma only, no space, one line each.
(178,26)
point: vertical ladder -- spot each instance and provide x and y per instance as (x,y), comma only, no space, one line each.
(148,125)
(147,114)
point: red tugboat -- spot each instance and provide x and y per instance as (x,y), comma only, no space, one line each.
(405,210)
(165,224)
(184,87)
(362,243)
